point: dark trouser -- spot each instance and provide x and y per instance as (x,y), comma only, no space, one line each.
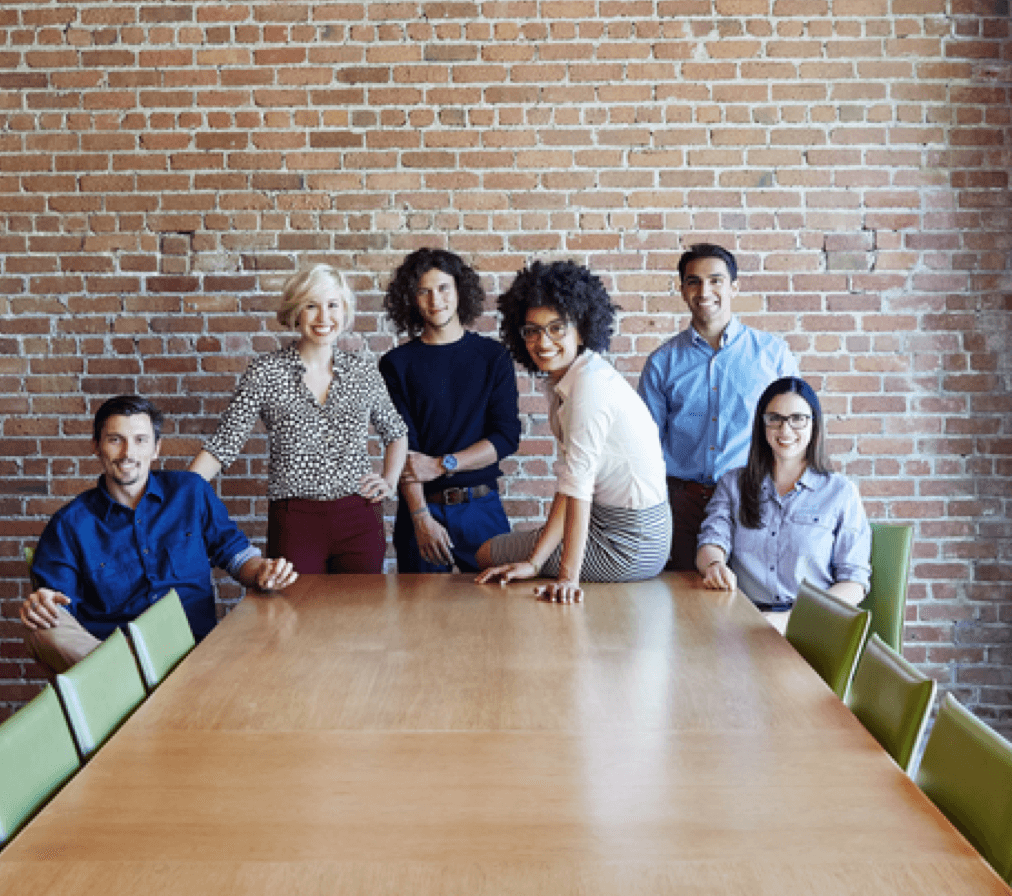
(688,509)
(344,535)
(469,526)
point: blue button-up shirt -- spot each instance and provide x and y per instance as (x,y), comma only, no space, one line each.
(703,400)
(817,531)
(114,562)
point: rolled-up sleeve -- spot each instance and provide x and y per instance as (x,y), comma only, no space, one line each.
(240,416)
(585,423)
(503,409)
(851,560)
(722,514)
(383,414)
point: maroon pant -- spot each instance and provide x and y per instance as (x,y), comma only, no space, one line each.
(688,510)
(344,535)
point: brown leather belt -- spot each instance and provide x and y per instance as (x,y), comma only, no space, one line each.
(459,495)
(693,488)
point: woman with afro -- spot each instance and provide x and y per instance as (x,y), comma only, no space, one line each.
(610,519)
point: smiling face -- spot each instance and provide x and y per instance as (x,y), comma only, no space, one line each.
(437,302)
(126,449)
(789,445)
(708,289)
(321,319)
(553,356)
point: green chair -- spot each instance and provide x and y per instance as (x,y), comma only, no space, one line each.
(37,757)
(966,771)
(829,633)
(161,637)
(100,691)
(891,547)
(28,553)
(892,699)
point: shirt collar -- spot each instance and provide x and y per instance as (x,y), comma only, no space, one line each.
(809,481)
(731,331)
(107,502)
(564,386)
(291,358)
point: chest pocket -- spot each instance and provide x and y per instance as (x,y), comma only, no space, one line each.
(814,532)
(184,556)
(112,583)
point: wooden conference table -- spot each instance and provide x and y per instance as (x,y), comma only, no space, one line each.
(421,734)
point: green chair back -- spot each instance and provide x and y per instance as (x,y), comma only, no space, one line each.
(28,552)
(100,691)
(37,756)
(829,633)
(161,637)
(966,771)
(891,547)
(892,699)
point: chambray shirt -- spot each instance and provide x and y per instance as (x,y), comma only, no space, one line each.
(703,400)
(114,562)
(817,531)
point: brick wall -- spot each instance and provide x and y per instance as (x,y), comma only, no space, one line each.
(165,165)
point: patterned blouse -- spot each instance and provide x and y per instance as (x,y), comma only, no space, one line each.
(316,451)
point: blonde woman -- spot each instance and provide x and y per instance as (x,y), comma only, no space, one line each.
(316,402)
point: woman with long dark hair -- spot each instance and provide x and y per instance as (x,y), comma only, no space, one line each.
(610,520)
(785,517)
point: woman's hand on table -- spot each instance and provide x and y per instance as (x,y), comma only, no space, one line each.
(560,592)
(507,573)
(374,488)
(718,577)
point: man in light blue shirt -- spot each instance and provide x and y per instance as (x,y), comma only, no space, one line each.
(701,388)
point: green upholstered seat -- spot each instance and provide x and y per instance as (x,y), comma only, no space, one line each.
(100,691)
(829,633)
(892,700)
(891,546)
(966,771)
(161,637)
(37,756)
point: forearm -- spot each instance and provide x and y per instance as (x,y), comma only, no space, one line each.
(248,572)
(574,538)
(205,465)
(552,533)
(481,454)
(393,460)
(851,592)
(414,495)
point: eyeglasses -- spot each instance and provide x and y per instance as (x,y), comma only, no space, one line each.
(556,331)
(794,421)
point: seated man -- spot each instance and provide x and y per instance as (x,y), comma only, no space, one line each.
(113,551)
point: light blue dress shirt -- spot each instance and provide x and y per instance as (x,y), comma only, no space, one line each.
(817,531)
(703,400)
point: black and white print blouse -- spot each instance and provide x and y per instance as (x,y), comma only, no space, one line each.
(316,451)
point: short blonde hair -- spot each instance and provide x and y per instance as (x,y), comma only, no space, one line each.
(301,289)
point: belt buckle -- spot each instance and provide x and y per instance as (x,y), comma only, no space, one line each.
(453,496)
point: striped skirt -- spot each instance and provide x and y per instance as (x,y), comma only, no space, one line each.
(623,545)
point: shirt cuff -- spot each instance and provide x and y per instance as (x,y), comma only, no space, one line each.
(239,560)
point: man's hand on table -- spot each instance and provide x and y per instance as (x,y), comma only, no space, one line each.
(42,608)
(273,575)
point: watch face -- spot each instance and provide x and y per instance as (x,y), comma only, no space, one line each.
(450,463)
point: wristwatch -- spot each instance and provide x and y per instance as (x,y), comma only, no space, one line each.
(450,464)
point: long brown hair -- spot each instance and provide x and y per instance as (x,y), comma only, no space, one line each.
(760,454)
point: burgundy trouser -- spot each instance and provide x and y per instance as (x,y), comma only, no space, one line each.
(343,535)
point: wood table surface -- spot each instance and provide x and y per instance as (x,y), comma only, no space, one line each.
(424,735)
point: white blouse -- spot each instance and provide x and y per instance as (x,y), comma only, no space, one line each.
(609,446)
